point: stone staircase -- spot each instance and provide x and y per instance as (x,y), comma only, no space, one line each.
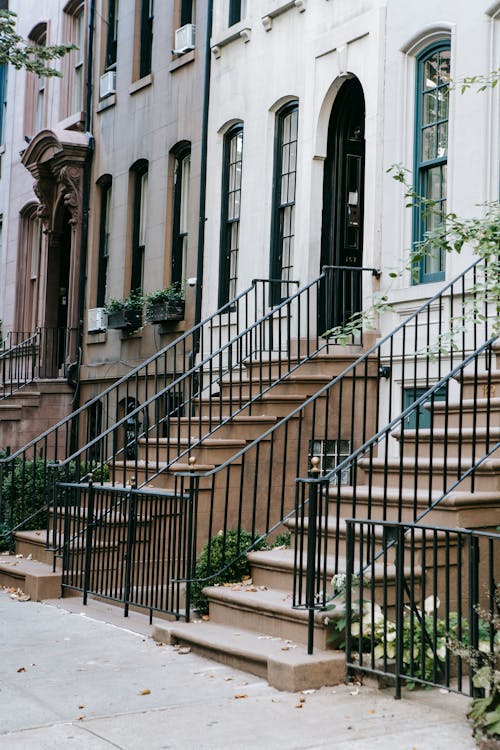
(252,624)
(31,410)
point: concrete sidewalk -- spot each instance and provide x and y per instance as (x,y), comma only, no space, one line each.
(70,681)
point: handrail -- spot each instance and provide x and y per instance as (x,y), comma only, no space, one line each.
(17,364)
(135,371)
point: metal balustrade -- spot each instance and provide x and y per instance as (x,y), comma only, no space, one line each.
(421,603)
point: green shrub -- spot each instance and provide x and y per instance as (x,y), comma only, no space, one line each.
(27,491)
(221,559)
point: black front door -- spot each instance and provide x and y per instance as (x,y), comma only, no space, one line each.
(343,195)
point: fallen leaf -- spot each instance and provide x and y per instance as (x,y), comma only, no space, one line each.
(81,706)
(241,695)
(146,691)
(372,711)
(24,598)
(21,669)
(285,648)
(227,679)
(299,705)
(205,618)
(184,650)
(80,718)
(302,700)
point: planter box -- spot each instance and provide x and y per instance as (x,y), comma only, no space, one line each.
(161,312)
(127,320)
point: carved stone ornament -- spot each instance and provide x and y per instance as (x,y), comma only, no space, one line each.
(44,191)
(70,179)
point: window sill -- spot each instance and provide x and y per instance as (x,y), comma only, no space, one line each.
(142,83)
(278,7)
(238,31)
(106,103)
(180,60)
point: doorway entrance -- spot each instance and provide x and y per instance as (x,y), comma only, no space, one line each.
(343,198)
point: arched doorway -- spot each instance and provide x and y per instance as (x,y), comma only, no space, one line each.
(343,198)
(57,296)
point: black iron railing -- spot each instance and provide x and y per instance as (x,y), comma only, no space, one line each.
(454,454)
(256,489)
(128,545)
(418,600)
(145,421)
(43,354)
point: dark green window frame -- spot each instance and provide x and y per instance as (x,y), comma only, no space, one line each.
(284,190)
(140,169)
(104,218)
(112,35)
(146,52)
(186,15)
(235,10)
(431,153)
(230,218)
(179,224)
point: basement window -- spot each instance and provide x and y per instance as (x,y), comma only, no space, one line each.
(331,453)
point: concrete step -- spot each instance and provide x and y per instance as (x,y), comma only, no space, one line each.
(285,665)
(486,476)
(460,508)
(442,441)
(35,578)
(244,427)
(470,412)
(269,405)
(296,383)
(213,450)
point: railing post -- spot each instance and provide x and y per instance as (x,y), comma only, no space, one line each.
(311,551)
(131,532)
(348,590)
(399,564)
(473,605)
(191,534)
(55,478)
(88,538)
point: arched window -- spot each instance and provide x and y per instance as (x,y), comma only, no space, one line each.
(230,218)
(180,224)
(283,212)
(431,152)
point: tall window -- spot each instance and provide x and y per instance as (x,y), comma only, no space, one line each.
(74,63)
(35,88)
(139,225)
(237,11)
(147,15)
(104,233)
(112,35)
(431,140)
(182,172)
(230,220)
(283,216)
(186,12)
(28,270)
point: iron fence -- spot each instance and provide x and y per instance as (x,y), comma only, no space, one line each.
(421,603)
(127,545)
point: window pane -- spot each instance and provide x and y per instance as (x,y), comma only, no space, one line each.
(429,108)
(185,178)
(443,96)
(143,219)
(431,73)
(444,67)
(442,136)
(428,148)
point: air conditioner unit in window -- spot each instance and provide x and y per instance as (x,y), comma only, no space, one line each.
(107,83)
(97,319)
(185,38)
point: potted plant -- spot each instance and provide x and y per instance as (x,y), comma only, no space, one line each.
(126,314)
(165,304)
